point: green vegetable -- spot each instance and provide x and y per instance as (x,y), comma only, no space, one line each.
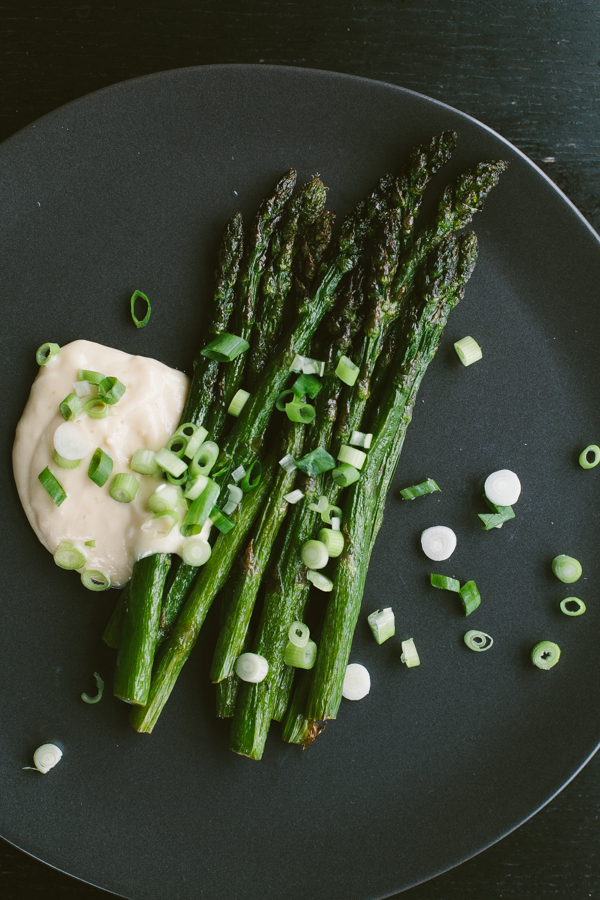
(572,606)
(52,486)
(300,657)
(478,641)
(144,462)
(97,408)
(110,390)
(123,487)
(470,597)
(69,557)
(419,490)
(584,458)
(65,463)
(94,580)
(100,467)
(45,353)
(445,583)
(70,407)
(566,569)
(98,697)
(316,462)
(545,654)
(140,323)
(225,348)
(347,371)
(383,624)
(468,351)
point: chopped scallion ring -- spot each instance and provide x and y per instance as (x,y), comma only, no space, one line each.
(293,496)
(502,488)
(566,569)
(470,596)
(545,654)
(90,375)
(195,487)
(144,462)
(320,581)
(162,524)
(284,398)
(298,634)
(71,441)
(345,475)
(52,486)
(347,371)
(83,388)
(300,657)
(195,551)
(438,542)
(65,463)
(177,444)
(45,353)
(409,656)
(300,412)
(171,463)
(70,407)
(97,408)
(195,440)
(331,513)
(336,523)
(69,557)
(314,554)
(307,366)
(584,458)
(333,540)
(357,682)
(165,497)
(382,623)
(178,480)
(100,690)
(572,606)
(419,490)
(468,350)
(234,494)
(288,463)
(94,580)
(238,402)
(252,477)
(445,582)
(204,460)
(139,323)
(200,509)
(360,439)
(221,520)
(316,462)
(124,487)
(46,757)
(352,456)
(321,504)
(111,390)
(251,667)
(499,515)
(225,347)
(100,467)
(307,385)
(238,474)
(478,641)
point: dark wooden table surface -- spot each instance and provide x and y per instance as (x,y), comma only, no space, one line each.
(528,68)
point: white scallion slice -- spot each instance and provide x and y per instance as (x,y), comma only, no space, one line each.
(468,350)
(360,439)
(351,456)
(71,441)
(478,641)
(196,487)
(545,654)
(333,540)
(293,496)
(288,463)
(298,634)
(166,496)
(438,542)
(382,623)
(572,606)
(566,569)
(238,474)
(144,462)
(320,581)
(300,657)
(314,554)
(195,442)
(83,388)
(100,690)
(251,667)
(238,402)
(69,557)
(357,682)
(336,524)
(170,463)
(410,657)
(230,507)
(46,757)
(195,551)
(347,371)
(502,488)
(235,493)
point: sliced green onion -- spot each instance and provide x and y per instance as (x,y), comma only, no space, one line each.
(478,641)
(94,580)
(234,494)
(585,462)
(314,554)
(67,556)
(52,486)
(345,475)
(298,634)
(293,496)
(188,430)
(101,465)
(307,366)
(382,623)
(321,504)
(470,597)
(111,390)
(288,463)
(438,542)
(572,606)
(177,444)
(45,353)
(297,364)
(139,323)
(200,509)
(316,462)
(221,520)
(195,551)
(71,441)
(300,412)
(178,480)
(545,654)
(124,487)
(70,407)
(162,524)
(144,462)
(347,371)
(409,656)
(336,523)
(252,477)
(307,384)
(100,686)
(170,462)
(204,459)
(502,488)
(333,540)
(351,456)
(82,388)
(97,408)
(225,347)
(445,583)
(195,441)
(90,543)
(468,350)
(319,580)
(360,439)
(494,520)
(230,507)
(238,474)
(165,497)
(357,682)
(196,487)
(238,402)
(419,490)
(251,667)
(65,463)
(300,657)
(331,513)
(566,569)
(284,398)
(90,375)
(46,757)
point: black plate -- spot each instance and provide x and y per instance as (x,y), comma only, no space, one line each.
(129,188)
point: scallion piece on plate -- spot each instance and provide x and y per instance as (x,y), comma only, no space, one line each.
(300,412)
(566,569)
(171,463)
(234,494)
(345,475)
(65,463)
(71,441)
(307,385)
(298,634)
(83,389)
(445,582)
(162,524)
(478,641)
(320,581)
(331,513)
(100,468)
(195,487)
(252,477)
(347,371)
(419,490)
(69,557)
(238,474)
(336,523)
(333,540)
(438,542)
(502,488)
(251,667)
(139,323)
(545,654)
(221,520)
(45,353)
(316,462)
(52,487)
(285,397)
(351,456)
(97,408)
(321,504)
(498,516)
(590,457)
(95,580)
(111,390)
(90,375)
(307,366)
(195,551)
(70,407)
(177,444)
(288,463)
(293,496)
(468,350)
(357,682)
(144,462)
(178,480)
(200,510)
(165,497)
(99,691)
(360,439)
(409,656)
(382,623)
(204,460)
(225,347)
(238,402)
(195,440)
(300,657)
(124,487)
(470,597)
(572,606)
(314,554)
(46,757)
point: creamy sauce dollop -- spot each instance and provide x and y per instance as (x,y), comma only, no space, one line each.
(145,417)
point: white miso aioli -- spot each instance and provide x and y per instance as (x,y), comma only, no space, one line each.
(145,417)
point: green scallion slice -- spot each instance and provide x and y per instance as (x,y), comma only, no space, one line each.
(307,385)
(409,656)
(572,606)
(320,581)
(251,667)
(382,623)
(204,460)
(179,480)
(111,390)
(94,580)
(165,497)
(345,475)
(566,569)
(352,456)
(90,375)
(195,487)
(144,462)
(52,487)
(170,462)
(252,477)
(307,366)
(200,510)
(221,520)
(360,439)
(225,347)
(321,504)
(284,398)
(97,408)
(470,597)
(234,494)
(300,412)
(90,543)
(70,407)
(195,441)
(316,462)
(498,516)
(590,457)
(298,634)
(101,465)
(300,657)
(419,490)
(177,444)
(478,641)
(84,389)
(65,463)
(445,582)
(67,556)
(347,371)
(545,654)
(162,524)
(333,540)
(139,323)
(124,487)
(331,513)
(468,350)
(238,474)
(195,551)
(45,353)
(100,686)
(238,402)
(314,554)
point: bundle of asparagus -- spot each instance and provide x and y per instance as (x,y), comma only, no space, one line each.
(380,294)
